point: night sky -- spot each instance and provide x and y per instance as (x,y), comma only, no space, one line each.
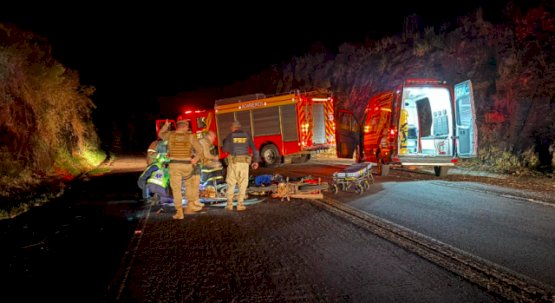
(135,53)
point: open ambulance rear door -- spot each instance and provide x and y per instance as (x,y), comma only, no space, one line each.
(466,132)
(347,135)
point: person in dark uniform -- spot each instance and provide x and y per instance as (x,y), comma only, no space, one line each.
(237,145)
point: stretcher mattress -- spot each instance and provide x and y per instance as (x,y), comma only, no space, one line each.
(356,170)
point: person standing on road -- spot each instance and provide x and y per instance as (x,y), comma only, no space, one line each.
(237,145)
(184,151)
(211,168)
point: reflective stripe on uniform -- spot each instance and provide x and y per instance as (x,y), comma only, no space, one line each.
(156,181)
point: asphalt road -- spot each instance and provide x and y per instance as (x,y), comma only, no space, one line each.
(99,243)
(514,233)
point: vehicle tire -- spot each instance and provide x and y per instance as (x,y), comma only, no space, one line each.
(334,189)
(385,170)
(270,155)
(440,171)
(382,169)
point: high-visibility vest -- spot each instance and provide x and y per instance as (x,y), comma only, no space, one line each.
(159,177)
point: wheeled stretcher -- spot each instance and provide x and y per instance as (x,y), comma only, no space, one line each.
(357,177)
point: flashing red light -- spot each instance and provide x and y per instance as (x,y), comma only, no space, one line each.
(392,132)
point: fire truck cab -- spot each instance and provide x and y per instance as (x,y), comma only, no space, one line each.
(423,122)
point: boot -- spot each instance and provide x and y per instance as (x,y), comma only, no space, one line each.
(178,214)
(191,209)
(198,204)
(229,205)
(240,206)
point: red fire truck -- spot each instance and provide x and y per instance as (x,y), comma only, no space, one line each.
(422,122)
(285,127)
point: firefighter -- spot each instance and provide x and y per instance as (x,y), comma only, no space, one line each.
(207,142)
(211,168)
(184,151)
(237,145)
(156,148)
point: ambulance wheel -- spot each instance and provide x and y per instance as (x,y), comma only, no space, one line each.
(334,189)
(440,171)
(383,169)
(270,155)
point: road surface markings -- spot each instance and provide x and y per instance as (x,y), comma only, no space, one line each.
(491,276)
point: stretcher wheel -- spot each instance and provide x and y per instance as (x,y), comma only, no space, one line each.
(366,185)
(359,189)
(334,189)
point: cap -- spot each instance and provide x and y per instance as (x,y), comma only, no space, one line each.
(235,123)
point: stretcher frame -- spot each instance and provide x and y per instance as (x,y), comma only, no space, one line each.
(357,177)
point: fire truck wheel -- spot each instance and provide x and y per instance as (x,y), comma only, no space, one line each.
(270,155)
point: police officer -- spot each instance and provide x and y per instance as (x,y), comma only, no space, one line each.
(237,145)
(184,151)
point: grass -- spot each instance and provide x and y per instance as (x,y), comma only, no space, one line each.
(30,189)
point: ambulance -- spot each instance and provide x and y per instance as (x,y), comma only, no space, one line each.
(421,122)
